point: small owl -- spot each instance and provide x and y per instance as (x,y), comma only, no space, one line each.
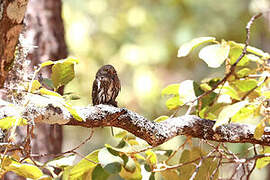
(106,86)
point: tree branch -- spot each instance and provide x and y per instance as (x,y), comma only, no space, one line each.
(52,110)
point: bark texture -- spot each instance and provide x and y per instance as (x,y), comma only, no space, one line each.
(44,30)
(51,110)
(11,24)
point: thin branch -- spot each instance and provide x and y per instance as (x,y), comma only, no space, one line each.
(235,171)
(254,164)
(196,170)
(258,85)
(66,152)
(178,149)
(217,168)
(141,150)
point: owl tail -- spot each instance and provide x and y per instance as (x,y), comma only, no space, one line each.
(112,131)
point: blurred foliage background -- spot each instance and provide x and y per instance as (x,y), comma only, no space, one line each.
(141,39)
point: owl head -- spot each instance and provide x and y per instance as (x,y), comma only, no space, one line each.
(106,70)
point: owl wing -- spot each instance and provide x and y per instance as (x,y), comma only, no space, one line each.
(95,92)
(100,92)
(113,91)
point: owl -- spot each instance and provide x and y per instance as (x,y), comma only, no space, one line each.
(106,86)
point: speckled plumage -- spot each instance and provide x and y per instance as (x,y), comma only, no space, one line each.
(106,86)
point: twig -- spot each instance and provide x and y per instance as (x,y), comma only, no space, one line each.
(196,170)
(254,164)
(180,147)
(66,152)
(244,171)
(216,170)
(235,171)
(141,150)
(82,143)
(258,85)
(82,156)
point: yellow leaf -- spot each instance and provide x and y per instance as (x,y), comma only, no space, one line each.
(25,170)
(186,91)
(85,165)
(47,63)
(214,55)
(135,175)
(171,89)
(151,157)
(35,86)
(73,112)
(44,91)
(227,112)
(8,122)
(170,174)
(185,49)
(161,118)
(259,130)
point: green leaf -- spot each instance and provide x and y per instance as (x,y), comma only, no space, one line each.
(129,163)
(11,121)
(185,49)
(161,118)
(197,89)
(214,55)
(62,161)
(99,173)
(211,112)
(63,72)
(121,134)
(259,130)
(243,72)
(228,111)
(35,86)
(48,82)
(122,147)
(172,89)
(25,170)
(174,103)
(245,85)
(170,174)
(205,87)
(85,165)
(151,157)
(132,175)
(262,162)
(186,91)
(229,90)
(44,91)
(207,168)
(109,162)
(73,112)
(234,54)
(47,63)
(249,48)
(246,115)
(152,176)
(254,58)
(266,94)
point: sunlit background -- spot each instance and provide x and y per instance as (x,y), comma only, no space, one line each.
(141,38)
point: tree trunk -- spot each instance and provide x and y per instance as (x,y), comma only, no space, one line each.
(44,29)
(11,17)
